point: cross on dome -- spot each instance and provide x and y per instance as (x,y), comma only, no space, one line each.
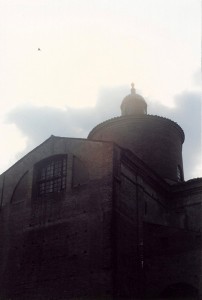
(132,88)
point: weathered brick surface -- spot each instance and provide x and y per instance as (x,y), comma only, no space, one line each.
(118,230)
(171,256)
(60,247)
(154,249)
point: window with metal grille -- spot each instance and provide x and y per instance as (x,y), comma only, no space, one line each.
(51,175)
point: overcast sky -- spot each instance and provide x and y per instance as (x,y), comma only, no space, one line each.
(90,52)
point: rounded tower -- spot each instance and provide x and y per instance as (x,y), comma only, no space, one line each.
(157,141)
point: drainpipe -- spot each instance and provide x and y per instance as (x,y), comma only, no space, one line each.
(2,191)
(140,245)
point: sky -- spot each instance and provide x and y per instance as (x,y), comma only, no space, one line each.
(66,66)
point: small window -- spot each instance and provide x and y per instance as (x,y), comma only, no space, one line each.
(179,173)
(51,175)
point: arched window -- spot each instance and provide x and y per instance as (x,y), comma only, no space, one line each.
(51,175)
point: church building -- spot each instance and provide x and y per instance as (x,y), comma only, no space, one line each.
(107,217)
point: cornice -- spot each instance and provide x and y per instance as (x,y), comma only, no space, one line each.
(121,120)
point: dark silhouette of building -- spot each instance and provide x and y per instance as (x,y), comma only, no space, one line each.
(107,217)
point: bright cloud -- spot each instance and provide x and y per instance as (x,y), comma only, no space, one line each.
(84,47)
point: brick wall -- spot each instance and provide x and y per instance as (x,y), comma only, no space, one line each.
(154,249)
(171,256)
(58,247)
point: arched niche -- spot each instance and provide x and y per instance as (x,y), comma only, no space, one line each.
(21,188)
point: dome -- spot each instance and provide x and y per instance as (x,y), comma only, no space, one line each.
(133,104)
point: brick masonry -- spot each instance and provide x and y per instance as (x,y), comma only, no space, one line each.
(118,231)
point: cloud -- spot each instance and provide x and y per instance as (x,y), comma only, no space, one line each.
(197,78)
(38,123)
(187,113)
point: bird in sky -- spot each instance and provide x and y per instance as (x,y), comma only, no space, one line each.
(39,49)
